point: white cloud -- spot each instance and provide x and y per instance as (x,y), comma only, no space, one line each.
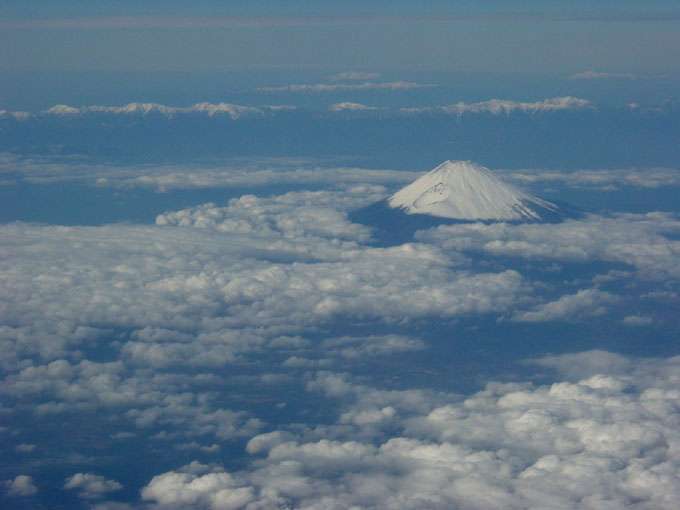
(608,438)
(645,242)
(281,265)
(325,87)
(594,75)
(600,179)
(216,490)
(146,399)
(91,486)
(583,365)
(252,173)
(22,485)
(354,75)
(207,290)
(637,320)
(585,303)
(316,215)
(219,301)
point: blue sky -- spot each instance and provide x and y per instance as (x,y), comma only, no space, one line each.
(180,53)
(454,36)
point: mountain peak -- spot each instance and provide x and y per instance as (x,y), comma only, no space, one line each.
(466,190)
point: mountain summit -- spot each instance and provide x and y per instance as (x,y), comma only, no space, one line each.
(464,190)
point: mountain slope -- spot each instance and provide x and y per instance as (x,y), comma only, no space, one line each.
(464,190)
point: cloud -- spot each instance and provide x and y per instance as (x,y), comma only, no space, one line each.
(193,445)
(213,325)
(182,307)
(585,303)
(600,179)
(637,320)
(253,173)
(91,486)
(146,400)
(216,490)
(22,485)
(582,365)
(593,75)
(325,87)
(609,437)
(319,217)
(354,75)
(376,345)
(645,242)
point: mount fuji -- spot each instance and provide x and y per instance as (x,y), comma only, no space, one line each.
(464,190)
(455,191)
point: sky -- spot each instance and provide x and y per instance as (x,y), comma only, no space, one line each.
(206,302)
(85,46)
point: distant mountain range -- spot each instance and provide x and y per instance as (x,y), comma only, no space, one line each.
(565,133)
(493,106)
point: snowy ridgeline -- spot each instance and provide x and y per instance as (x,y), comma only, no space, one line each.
(564,133)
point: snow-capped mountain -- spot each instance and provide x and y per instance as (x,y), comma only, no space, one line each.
(464,190)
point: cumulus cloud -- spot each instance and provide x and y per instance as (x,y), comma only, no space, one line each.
(156,401)
(608,438)
(181,308)
(195,319)
(316,214)
(91,486)
(215,490)
(22,485)
(645,242)
(594,75)
(286,262)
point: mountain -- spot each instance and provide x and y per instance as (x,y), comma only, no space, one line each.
(464,190)
(565,133)
(454,192)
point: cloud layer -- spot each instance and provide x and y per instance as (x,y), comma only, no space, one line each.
(300,363)
(607,440)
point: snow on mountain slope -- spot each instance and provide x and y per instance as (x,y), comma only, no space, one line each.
(502,106)
(233,110)
(465,190)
